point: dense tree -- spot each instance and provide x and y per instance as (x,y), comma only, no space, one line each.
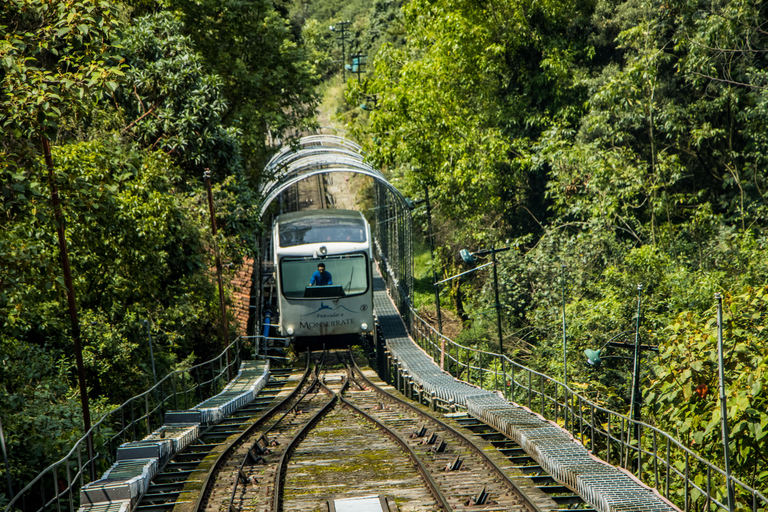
(268,82)
(133,110)
(138,253)
(684,398)
(171,103)
(459,107)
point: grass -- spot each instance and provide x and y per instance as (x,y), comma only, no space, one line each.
(423,289)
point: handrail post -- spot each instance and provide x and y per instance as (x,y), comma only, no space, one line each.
(724,405)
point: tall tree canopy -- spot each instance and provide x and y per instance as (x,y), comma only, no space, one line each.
(268,82)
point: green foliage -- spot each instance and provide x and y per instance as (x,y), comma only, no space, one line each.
(135,248)
(684,398)
(139,251)
(41,413)
(424,292)
(622,140)
(268,82)
(172,103)
(135,110)
(57,60)
(457,108)
(371,23)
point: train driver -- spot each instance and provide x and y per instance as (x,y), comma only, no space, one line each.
(321,277)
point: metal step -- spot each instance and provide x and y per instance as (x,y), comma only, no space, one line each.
(573,499)
(167,476)
(163,497)
(534,468)
(180,466)
(554,489)
(171,487)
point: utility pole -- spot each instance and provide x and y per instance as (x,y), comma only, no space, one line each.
(358,62)
(432,257)
(151,352)
(469,257)
(69,285)
(222,303)
(434,277)
(724,406)
(565,339)
(496,295)
(341,28)
(636,394)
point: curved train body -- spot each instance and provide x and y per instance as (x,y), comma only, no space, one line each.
(337,302)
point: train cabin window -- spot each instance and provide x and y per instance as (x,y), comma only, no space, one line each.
(349,276)
(316,230)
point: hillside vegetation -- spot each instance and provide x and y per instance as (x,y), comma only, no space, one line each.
(136,100)
(611,144)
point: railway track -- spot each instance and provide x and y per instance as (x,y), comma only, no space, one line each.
(331,433)
(344,438)
(467,476)
(180,484)
(309,194)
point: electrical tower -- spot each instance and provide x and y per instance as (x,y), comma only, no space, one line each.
(341,28)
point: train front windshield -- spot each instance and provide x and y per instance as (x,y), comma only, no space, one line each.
(345,275)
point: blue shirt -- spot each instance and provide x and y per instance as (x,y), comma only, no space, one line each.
(321,279)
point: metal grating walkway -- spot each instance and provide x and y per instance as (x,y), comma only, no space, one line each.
(607,488)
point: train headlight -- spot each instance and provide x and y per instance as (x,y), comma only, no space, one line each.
(364,326)
(290,331)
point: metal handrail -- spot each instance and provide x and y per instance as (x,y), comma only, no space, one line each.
(606,433)
(60,482)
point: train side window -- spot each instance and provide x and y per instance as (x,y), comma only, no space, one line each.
(349,271)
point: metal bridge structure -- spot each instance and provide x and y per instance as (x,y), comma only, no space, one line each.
(390,219)
(327,154)
(614,462)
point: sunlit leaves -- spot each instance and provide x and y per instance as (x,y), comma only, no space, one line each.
(685,396)
(171,102)
(268,81)
(57,58)
(138,252)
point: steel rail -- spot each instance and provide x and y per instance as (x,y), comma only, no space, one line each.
(208,481)
(281,465)
(268,415)
(322,191)
(434,488)
(530,505)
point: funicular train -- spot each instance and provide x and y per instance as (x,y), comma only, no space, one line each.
(322,261)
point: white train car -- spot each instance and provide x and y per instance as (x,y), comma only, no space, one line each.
(333,301)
